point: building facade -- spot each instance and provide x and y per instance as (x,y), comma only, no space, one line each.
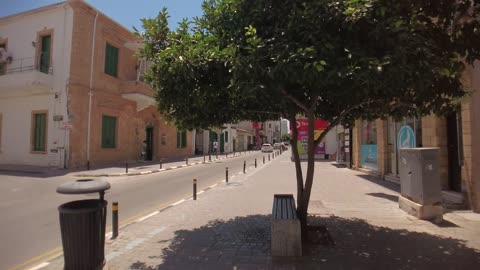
(376,144)
(71,95)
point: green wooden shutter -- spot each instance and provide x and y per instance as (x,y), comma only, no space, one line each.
(184,139)
(111,60)
(178,139)
(45,54)
(39,131)
(108,131)
(226,136)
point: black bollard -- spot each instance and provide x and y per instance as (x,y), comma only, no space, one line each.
(268,157)
(203,157)
(226,174)
(263,159)
(88,165)
(244,166)
(186,160)
(161,161)
(195,189)
(255,162)
(114,220)
(126,166)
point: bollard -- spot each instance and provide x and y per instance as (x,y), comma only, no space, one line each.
(88,165)
(268,157)
(244,165)
(210,156)
(263,159)
(186,160)
(195,189)
(161,160)
(226,155)
(255,162)
(203,157)
(126,166)
(114,220)
(217,154)
(226,174)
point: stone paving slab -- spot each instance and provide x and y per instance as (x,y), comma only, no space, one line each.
(228,227)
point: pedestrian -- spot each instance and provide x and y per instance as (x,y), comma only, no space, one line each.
(215,146)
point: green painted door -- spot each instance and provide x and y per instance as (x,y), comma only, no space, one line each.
(222,143)
(45,54)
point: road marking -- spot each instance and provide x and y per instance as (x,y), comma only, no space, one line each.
(147,216)
(200,192)
(39,266)
(214,185)
(179,202)
(42,257)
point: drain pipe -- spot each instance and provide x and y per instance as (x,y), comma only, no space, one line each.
(90,91)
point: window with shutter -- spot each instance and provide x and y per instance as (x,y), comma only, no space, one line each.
(111,60)
(181,138)
(109,124)
(39,130)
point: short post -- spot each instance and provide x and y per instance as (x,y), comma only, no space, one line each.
(161,161)
(195,189)
(255,162)
(217,154)
(126,166)
(203,157)
(186,160)
(226,174)
(268,157)
(263,159)
(88,165)
(226,155)
(244,165)
(114,220)
(209,156)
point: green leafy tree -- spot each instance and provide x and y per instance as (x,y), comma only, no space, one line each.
(338,60)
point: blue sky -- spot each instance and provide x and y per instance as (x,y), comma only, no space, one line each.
(126,12)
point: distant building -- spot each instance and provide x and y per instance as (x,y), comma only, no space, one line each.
(71,92)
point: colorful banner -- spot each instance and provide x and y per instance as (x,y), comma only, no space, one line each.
(302,128)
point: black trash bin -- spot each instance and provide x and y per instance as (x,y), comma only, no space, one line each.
(82,225)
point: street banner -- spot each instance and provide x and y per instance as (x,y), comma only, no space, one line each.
(302,136)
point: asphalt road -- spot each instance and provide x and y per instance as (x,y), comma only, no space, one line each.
(29,227)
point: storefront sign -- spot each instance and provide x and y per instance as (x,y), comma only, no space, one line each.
(406,137)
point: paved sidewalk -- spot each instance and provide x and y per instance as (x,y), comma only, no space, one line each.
(118,169)
(228,227)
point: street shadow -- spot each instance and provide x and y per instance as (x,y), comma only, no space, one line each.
(338,165)
(244,243)
(377,180)
(389,197)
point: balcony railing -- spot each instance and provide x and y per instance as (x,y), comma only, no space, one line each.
(26,64)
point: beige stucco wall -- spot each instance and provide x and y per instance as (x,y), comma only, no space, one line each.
(107,97)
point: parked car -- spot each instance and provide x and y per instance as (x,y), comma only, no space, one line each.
(266,147)
(277,146)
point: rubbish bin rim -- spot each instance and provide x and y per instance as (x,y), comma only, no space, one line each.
(84,186)
(96,204)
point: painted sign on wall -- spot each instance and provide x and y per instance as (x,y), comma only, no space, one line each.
(406,138)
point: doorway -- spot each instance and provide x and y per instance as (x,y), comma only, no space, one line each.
(149,143)
(453,149)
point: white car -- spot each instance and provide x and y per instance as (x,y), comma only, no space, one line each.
(266,147)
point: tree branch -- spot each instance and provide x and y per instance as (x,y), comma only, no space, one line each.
(296,101)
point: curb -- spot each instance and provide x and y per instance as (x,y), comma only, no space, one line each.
(151,171)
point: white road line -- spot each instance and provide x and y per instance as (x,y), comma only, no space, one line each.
(39,266)
(179,202)
(212,186)
(147,216)
(200,192)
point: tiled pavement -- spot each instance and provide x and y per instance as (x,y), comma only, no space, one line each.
(228,227)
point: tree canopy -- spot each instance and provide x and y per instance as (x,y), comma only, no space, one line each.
(338,60)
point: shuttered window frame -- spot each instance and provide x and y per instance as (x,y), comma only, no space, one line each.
(111,60)
(39,132)
(109,132)
(181,138)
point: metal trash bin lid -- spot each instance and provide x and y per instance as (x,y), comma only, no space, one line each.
(84,186)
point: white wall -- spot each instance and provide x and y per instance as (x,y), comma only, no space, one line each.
(16,105)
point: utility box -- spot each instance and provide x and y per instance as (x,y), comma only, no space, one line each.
(420,176)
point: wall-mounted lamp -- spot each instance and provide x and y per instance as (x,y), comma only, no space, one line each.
(33,43)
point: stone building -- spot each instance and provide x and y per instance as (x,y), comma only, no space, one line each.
(72,92)
(376,143)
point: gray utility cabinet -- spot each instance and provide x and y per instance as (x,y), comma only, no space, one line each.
(420,176)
